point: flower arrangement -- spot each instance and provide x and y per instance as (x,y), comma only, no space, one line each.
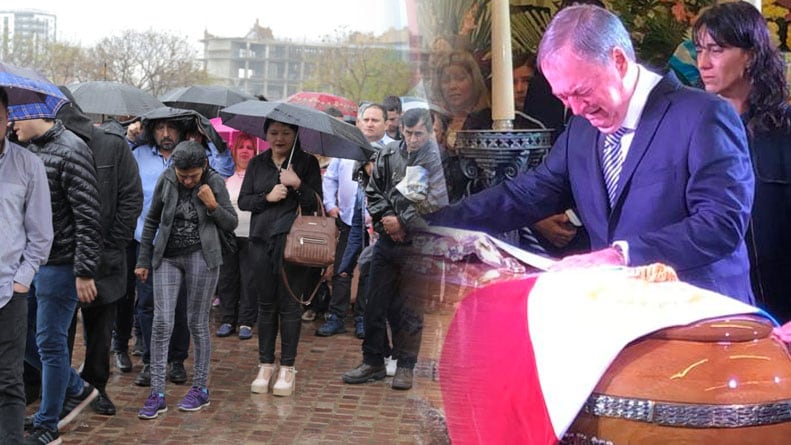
(778,14)
(657,26)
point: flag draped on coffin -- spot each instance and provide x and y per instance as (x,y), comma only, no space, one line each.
(521,357)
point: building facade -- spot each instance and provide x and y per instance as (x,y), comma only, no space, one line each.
(262,65)
(28,27)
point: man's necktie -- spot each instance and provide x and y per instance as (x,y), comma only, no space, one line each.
(612,161)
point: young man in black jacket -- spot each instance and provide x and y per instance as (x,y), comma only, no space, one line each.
(120,203)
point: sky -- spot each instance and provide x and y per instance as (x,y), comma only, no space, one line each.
(87,21)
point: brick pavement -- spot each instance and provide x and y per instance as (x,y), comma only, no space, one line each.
(323,409)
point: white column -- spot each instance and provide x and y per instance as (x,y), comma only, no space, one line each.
(756,3)
(502,67)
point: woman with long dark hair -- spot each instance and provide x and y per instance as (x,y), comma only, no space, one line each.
(738,61)
(276,182)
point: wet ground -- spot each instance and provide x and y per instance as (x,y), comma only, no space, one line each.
(323,409)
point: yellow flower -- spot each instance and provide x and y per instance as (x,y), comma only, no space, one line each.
(774,30)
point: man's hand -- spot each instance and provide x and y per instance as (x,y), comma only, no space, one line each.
(20,288)
(334,212)
(86,289)
(133,131)
(278,193)
(393,228)
(604,257)
(207,197)
(141,273)
(557,229)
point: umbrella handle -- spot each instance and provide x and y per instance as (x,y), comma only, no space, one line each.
(291,155)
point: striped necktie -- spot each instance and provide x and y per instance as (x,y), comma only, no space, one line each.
(612,161)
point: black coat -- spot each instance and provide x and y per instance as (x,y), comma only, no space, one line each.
(120,200)
(769,235)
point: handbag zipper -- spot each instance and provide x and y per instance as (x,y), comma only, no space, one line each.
(305,239)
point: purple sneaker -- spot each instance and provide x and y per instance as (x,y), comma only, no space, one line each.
(154,406)
(195,399)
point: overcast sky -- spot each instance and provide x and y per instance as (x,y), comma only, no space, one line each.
(293,19)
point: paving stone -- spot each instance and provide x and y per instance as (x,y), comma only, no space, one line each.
(323,410)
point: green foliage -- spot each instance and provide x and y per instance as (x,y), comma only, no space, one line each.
(359,72)
(657,27)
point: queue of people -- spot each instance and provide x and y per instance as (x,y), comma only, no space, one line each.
(656,172)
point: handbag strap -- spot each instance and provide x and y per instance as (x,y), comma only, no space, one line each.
(319,206)
(291,292)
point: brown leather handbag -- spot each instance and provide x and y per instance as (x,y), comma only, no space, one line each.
(312,239)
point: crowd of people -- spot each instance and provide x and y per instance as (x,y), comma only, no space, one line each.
(138,231)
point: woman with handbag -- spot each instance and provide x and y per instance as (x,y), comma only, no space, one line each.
(181,244)
(276,182)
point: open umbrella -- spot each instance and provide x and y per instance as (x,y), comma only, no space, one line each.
(113,98)
(207,100)
(229,134)
(319,132)
(30,95)
(192,118)
(322,101)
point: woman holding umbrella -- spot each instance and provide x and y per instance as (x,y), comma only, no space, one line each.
(276,182)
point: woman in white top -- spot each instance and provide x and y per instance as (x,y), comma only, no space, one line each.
(238,305)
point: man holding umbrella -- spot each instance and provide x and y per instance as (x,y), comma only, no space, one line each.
(27,238)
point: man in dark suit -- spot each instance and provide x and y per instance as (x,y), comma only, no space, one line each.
(659,172)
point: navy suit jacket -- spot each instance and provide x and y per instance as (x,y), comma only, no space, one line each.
(684,195)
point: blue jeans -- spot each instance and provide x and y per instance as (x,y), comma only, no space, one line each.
(13,319)
(51,304)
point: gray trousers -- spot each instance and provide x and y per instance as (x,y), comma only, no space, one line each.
(201,282)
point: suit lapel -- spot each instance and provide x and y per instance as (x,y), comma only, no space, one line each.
(655,108)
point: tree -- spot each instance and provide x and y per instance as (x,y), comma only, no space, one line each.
(359,71)
(152,61)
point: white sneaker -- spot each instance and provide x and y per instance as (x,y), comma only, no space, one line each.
(261,383)
(286,380)
(390,366)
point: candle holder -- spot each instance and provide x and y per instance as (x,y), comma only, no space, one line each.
(488,157)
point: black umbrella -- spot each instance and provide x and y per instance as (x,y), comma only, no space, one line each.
(113,98)
(207,100)
(192,119)
(319,132)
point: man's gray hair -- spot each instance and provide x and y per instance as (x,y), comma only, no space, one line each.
(589,31)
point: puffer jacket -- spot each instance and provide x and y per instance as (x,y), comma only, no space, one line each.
(71,174)
(389,169)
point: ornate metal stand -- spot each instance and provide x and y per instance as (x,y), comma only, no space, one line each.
(488,157)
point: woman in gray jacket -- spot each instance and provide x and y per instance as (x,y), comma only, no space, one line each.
(181,243)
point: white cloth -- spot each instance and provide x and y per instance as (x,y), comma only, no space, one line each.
(234,183)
